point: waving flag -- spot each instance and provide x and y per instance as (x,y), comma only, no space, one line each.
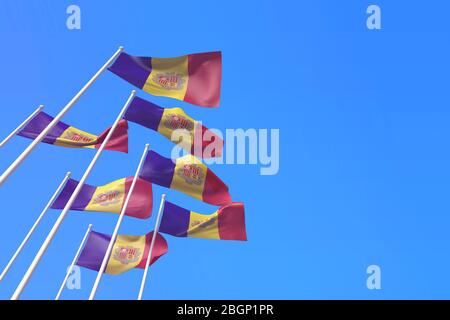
(129,252)
(201,141)
(67,136)
(109,198)
(194,78)
(227,223)
(188,175)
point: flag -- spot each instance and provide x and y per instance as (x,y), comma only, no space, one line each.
(109,198)
(67,136)
(188,175)
(227,223)
(129,252)
(201,141)
(194,78)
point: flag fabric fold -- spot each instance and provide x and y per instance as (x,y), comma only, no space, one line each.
(129,252)
(194,78)
(227,223)
(67,136)
(187,175)
(200,141)
(109,198)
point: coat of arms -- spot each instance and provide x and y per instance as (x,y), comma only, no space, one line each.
(107,198)
(175,121)
(169,81)
(192,174)
(76,137)
(203,224)
(127,255)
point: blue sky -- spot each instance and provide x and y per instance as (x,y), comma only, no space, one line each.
(363,118)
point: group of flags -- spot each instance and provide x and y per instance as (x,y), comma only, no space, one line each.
(194,78)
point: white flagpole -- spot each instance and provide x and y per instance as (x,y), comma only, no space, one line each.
(66,209)
(116,229)
(77,255)
(61,114)
(35,225)
(152,244)
(22,125)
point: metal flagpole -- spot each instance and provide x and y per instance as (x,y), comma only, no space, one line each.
(22,125)
(152,244)
(61,114)
(66,209)
(35,225)
(116,229)
(69,271)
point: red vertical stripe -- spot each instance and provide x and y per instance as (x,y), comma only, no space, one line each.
(141,201)
(201,142)
(205,76)
(232,222)
(159,249)
(119,138)
(215,191)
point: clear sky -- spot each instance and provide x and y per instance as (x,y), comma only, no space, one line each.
(364,153)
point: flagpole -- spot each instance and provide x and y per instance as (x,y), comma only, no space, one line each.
(72,198)
(61,114)
(74,261)
(35,225)
(22,125)
(119,222)
(152,244)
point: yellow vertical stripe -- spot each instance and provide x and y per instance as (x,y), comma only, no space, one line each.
(204,226)
(189,176)
(76,138)
(127,254)
(169,77)
(176,119)
(108,198)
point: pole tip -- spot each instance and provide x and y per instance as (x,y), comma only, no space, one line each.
(41,107)
(133,92)
(68,174)
(120,48)
(147,145)
(90,225)
(163,196)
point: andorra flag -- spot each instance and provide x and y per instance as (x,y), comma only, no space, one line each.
(109,198)
(195,138)
(227,223)
(194,78)
(188,175)
(129,252)
(67,136)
